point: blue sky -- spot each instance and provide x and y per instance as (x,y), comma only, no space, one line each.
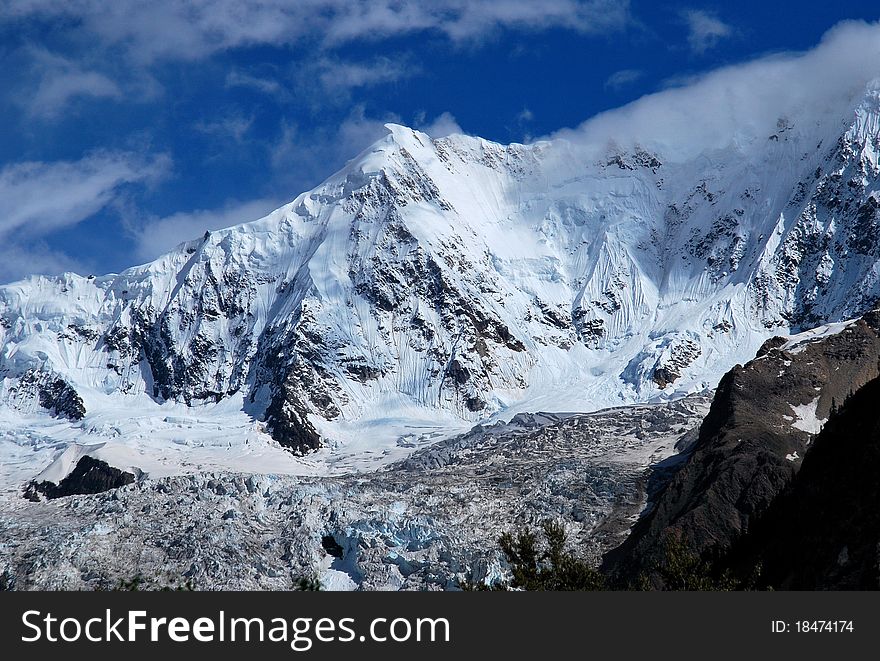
(130,126)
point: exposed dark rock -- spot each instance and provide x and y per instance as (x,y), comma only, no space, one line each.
(555,317)
(750,445)
(7,580)
(75,333)
(287,420)
(54,394)
(663,377)
(639,158)
(773,343)
(823,531)
(590,330)
(863,239)
(360,370)
(474,403)
(458,372)
(89,476)
(671,365)
(61,399)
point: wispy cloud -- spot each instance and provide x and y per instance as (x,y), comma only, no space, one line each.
(705,29)
(229,126)
(442,125)
(155,236)
(17,261)
(341,76)
(122,41)
(183,29)
(524,116)
(299,159)
(57,81)
(302,159)
(264,85)
(326,79)
(522,125)
(620,79)
(461,20)
(38,198)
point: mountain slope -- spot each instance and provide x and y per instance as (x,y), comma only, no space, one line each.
(434,283)
(763,420)
(828,516)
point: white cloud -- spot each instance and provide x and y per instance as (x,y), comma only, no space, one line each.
(338,76)
(359,131)
(59,81)
(740,105)
(192,29)
(37,198)
(622,78)
(18,261)
(302,160)
(466,19)
(521,122)
(441,126)
(157,236)
(525,115)
(264,85)
(120,40)
(705,29)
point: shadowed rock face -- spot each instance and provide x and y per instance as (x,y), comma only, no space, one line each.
(89,476)
(823,531)
(761,422)
(62,400)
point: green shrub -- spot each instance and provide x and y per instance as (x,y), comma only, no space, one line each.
(545,564)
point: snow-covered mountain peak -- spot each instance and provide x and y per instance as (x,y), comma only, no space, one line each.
(407,138)
(432,283)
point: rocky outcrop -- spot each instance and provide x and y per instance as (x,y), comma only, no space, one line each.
(674,361)
(46,389)
(288,420)
(59,398)
(90,475)
(763,418)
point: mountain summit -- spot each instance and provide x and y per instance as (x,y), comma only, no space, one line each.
(433,283)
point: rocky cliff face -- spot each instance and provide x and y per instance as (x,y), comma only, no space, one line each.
(764,417)
(448,280)
(823,531)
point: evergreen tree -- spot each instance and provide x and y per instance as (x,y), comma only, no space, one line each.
(547,565)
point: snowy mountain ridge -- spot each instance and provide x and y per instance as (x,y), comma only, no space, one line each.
(435,283)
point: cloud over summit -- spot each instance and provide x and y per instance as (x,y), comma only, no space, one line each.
(740,105)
